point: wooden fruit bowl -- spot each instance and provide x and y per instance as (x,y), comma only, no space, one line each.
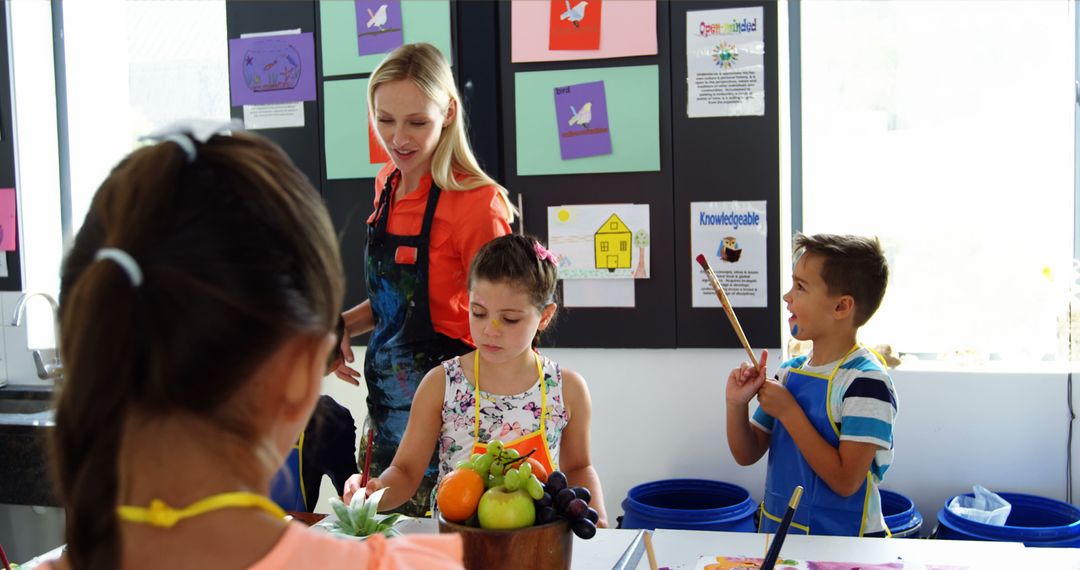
(543,547)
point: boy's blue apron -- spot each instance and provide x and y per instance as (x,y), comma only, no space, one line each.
(821,511)
(404,345)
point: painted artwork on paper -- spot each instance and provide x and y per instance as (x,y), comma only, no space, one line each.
(8,216)
(574,24)
(272,69)
(379,26)
(600,241)
(582,114)
(752,563)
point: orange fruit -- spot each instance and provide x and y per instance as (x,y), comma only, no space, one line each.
(459,493)
(538,469)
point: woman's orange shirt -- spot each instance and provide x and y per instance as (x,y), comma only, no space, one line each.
(464,221)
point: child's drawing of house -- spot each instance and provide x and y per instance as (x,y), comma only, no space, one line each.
(612,243)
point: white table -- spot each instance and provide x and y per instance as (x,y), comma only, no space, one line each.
(680,549)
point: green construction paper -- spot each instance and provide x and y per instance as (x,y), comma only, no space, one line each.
(345,131)
(633,106)
(422,20)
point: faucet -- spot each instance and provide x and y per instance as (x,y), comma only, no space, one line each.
(52,369)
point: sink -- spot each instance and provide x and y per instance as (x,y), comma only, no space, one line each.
(22,406)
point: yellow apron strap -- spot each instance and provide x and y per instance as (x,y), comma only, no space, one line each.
(300,471)
(778,520)
(543,401)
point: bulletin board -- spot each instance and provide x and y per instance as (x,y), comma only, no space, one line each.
(349,196)
(13,280)
(673,160)
(697,159)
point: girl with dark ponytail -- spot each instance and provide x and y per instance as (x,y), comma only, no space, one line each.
(198,305)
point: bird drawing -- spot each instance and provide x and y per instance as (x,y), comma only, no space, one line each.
(378,18)
(582,117)
(575,14)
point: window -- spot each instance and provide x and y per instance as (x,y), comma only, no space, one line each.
(130,67)
(947,130)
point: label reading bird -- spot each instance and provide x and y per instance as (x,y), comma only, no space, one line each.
(575,14)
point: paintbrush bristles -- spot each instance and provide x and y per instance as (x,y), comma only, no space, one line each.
(719,289)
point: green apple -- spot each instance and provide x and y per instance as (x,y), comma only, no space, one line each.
(502,509)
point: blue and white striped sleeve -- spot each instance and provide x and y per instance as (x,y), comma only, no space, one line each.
(869,409)
(762,420)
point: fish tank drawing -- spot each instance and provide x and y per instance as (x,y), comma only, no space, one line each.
(271,65)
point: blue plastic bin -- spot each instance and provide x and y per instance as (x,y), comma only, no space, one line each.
(1033,520)
(901,516)
(689,504)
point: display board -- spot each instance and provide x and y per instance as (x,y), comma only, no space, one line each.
(648,138)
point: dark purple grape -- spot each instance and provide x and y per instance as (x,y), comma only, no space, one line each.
(556,482)
(563,498)
(545,501)
(591,514)
(576,509)
(583,493)
(545,515)
(584,528)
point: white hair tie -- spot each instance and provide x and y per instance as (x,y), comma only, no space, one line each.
(185,143)
(124,260)
(186,133)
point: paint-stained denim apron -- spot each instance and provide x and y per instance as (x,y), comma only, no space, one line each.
(404,345)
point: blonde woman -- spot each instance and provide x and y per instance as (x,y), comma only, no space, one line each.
(434,209)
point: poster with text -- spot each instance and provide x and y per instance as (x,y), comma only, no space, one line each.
(633,111)
(600,241)
(581,113)
(378,26)
(574,24)
(731,236)
(725,62)
(272,69)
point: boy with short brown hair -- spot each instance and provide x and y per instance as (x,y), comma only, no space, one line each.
(836,406)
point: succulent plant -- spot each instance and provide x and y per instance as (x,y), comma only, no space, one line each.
(360,518)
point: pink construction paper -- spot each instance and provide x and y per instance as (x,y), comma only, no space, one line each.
(627,28)
(8,209)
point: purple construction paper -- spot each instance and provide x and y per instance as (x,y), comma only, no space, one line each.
(272,69)
(581,111)
(378,26)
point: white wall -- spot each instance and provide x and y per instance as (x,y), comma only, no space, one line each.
(660,414)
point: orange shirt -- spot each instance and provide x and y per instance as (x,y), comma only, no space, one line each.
(464,221)
(300,547)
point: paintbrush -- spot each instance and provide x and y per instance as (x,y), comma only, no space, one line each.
(727,307)
(781,532)
(367,458)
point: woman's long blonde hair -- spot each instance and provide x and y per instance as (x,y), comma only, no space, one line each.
(425,65)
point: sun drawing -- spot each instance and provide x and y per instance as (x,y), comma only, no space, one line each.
(563,214)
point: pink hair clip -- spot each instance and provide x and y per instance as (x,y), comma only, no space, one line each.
(542,254)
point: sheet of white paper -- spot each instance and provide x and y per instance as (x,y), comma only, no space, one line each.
(600,241)
(732,237)
(277,33)
(3,265)
(274,116)
(598,293)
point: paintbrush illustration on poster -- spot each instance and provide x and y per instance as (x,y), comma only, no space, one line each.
(725,62)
